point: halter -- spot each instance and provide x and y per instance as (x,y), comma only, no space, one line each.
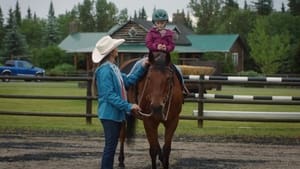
(167,100)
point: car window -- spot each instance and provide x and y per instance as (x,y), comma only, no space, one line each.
(20,64)
(27,65)
(9,63)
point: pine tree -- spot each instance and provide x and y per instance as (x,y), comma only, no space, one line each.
(29,15)
(294,6)
(2,32)
(264,7)
(282,7)
(142,14)
(51,34)
(245,5)
(14,42)
(18,14)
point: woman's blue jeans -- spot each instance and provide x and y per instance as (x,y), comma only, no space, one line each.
(111,134)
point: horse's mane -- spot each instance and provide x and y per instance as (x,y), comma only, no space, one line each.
(159,60)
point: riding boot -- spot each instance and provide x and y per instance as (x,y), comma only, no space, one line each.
(185,90)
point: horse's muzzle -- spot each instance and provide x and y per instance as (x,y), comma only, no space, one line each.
(156,108)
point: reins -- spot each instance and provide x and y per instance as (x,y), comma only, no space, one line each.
(140,99)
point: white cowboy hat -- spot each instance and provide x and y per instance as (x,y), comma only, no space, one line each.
(104,46)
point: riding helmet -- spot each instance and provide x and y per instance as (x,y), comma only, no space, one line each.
(160,15)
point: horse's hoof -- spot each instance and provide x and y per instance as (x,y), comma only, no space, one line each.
(121,165)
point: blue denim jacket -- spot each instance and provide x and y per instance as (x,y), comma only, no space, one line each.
(111,105)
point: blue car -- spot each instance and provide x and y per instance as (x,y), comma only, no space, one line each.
(20,68)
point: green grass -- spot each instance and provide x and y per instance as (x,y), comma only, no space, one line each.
(185,127)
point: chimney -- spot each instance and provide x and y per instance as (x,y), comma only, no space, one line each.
(73,27)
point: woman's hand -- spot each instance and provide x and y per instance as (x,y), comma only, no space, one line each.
(135,108)
(146,63)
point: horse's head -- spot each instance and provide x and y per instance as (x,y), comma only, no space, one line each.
(158,85)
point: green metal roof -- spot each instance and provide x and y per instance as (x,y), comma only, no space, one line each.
(213,43)
(81,42)
(85,43)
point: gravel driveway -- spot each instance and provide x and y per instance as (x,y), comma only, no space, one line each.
(62,151)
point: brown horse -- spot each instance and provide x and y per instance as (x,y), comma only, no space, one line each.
(160,97)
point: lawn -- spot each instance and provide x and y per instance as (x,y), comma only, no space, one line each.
(185,127)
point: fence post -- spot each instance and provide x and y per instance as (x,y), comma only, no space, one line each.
(89,100)
(200,102)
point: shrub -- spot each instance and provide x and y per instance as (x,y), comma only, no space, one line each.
(61,70)
(249,73)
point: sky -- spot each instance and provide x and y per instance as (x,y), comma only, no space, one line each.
(41,7)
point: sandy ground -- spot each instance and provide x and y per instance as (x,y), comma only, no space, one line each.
(27,151)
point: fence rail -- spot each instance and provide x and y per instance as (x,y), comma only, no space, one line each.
(201,98)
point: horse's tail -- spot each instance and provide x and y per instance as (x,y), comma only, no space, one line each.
(130,129)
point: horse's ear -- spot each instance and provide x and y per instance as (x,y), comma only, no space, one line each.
(151,57)
(168,57)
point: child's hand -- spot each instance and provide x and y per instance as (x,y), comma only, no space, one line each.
(162,47)
(159,46)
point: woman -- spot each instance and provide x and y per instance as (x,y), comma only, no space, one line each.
(112,101)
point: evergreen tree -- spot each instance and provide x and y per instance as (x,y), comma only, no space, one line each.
(135,15)
(51,34)
(294,6)
(18,14)
(33,29)
(231,4)
(282,7)
(15,45)
(2,32)
(246,5)
(142,14)
(29,15)
(264,7)
(10,20)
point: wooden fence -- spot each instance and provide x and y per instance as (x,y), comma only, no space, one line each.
(200,98)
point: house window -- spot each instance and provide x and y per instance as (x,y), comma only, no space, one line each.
(132,32)
(235,58)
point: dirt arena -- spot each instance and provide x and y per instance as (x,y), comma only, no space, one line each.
(61,151)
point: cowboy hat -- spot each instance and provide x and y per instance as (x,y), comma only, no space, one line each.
(104,46)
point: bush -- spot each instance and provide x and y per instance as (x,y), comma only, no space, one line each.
(61,70)
(48,57)
(249,73)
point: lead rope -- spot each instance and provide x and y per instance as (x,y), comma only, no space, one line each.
(169,102)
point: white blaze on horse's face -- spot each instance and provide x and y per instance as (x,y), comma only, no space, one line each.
(159,86)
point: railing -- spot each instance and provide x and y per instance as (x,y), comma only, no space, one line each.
(88,98)
(200,98)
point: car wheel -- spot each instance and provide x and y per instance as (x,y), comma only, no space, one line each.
(38,75)
(6,79)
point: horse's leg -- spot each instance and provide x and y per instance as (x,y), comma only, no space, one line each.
(122,140)
(170,127)
(152,136)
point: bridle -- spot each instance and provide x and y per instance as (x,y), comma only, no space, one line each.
(167,100)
